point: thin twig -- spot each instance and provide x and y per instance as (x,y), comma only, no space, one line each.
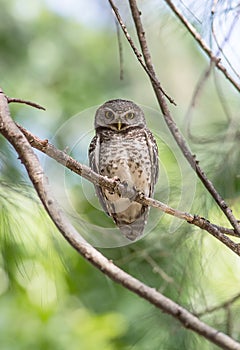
(29,103)
(188,117)
(214,6)
(229,319)
(223,98)
(221,46)
(157,269)
(169,120)
(223,305)
(196,93)
(120,49)
(202,44)
(136,51)
(115,186)
(28,158)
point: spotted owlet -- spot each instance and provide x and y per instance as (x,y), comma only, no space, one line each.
(124,148)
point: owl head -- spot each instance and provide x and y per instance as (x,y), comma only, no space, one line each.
(119,115)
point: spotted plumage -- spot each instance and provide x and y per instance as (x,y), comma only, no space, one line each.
(126,149)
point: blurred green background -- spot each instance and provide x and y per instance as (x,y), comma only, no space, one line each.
(66,58)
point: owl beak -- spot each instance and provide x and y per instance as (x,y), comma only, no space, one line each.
(119,125)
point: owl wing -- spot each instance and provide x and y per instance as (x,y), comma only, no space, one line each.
(153,153)
(93,155)
(135,229)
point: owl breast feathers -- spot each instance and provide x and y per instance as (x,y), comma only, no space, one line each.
(126,149)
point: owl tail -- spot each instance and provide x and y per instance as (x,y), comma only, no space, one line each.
(134,229)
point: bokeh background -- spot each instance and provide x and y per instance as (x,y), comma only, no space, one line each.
(65,57)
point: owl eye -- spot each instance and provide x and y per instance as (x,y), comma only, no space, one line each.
(130,115)
(109,114)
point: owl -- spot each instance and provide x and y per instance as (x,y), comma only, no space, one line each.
(124,148)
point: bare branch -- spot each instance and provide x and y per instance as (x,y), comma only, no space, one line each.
(120,50)
(136,51)
(157,269)
(64,159)
(196,93)
(12,133)
(222,99)
(220,46)
(29,103)
(115,186)
(202,44)
(229,324)
(223,305)
(167,115)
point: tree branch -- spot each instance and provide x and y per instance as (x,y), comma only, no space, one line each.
(223,305)
(12,133)
(194,163)
(137,53)
(115,186)
(202,44)
(29,103)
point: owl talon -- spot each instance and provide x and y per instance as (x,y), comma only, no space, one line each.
(128,191)
(116,178)
(140,194)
